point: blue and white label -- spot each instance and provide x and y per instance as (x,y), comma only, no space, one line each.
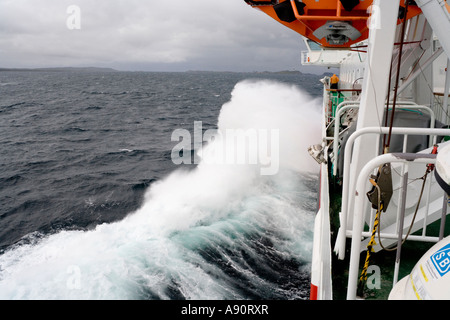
(441,260)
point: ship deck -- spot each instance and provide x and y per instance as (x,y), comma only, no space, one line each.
(411,252)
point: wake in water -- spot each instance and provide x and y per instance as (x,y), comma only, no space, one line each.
(218,231)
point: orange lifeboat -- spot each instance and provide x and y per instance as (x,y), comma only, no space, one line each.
(331,23)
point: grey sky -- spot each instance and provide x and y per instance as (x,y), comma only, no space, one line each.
(175,35)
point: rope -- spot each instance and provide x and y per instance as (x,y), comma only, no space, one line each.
(375,230)
(363,277)
(377,221)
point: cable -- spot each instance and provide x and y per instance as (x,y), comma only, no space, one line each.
(430,167)
(386,147)
(376,230)
(424,178)
(363,277)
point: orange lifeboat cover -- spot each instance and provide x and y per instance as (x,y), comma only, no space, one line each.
(316,14)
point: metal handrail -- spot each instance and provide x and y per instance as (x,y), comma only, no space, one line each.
(343,106)
(347,196)
(358,222)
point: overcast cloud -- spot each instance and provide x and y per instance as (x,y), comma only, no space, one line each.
(150,35)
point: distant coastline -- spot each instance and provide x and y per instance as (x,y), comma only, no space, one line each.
(62,69)
(98,69)
(277,72)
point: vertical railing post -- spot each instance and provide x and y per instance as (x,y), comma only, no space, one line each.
(400,223)
(443,216)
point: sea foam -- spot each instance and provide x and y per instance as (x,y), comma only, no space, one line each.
(213,232)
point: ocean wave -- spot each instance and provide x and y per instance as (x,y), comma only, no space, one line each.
(203,231)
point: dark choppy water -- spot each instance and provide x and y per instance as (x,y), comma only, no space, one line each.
(92,207)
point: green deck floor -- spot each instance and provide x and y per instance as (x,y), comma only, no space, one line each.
(411,252)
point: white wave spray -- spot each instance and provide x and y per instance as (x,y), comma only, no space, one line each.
(214,232)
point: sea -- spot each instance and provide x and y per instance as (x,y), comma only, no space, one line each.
(106,191)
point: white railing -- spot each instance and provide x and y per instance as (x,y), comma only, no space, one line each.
(321,258)
(348,193)
(345,105)
(358,219)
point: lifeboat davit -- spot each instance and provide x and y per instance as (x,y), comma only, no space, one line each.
(331,23)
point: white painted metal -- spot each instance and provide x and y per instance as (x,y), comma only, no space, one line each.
(439,18)
(427,280)
(375,86)
(418,71)
(321,258)
(446,93)
(373,67)
(359,209)
(380,47)
(352,104)
(347,192)
(443,164)
(343,106)
(319,56)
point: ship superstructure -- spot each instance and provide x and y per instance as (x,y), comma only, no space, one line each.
(384,151)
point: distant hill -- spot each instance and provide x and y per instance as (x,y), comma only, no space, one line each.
(257,72)
(64,69)
(327,74)
(284,72)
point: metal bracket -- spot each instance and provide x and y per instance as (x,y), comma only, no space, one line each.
(383,180)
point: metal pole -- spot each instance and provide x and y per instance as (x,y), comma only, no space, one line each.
(400,226)
(445,119)
(444,215)
(359,208)
(348,197)
(420,70)
(439,19)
